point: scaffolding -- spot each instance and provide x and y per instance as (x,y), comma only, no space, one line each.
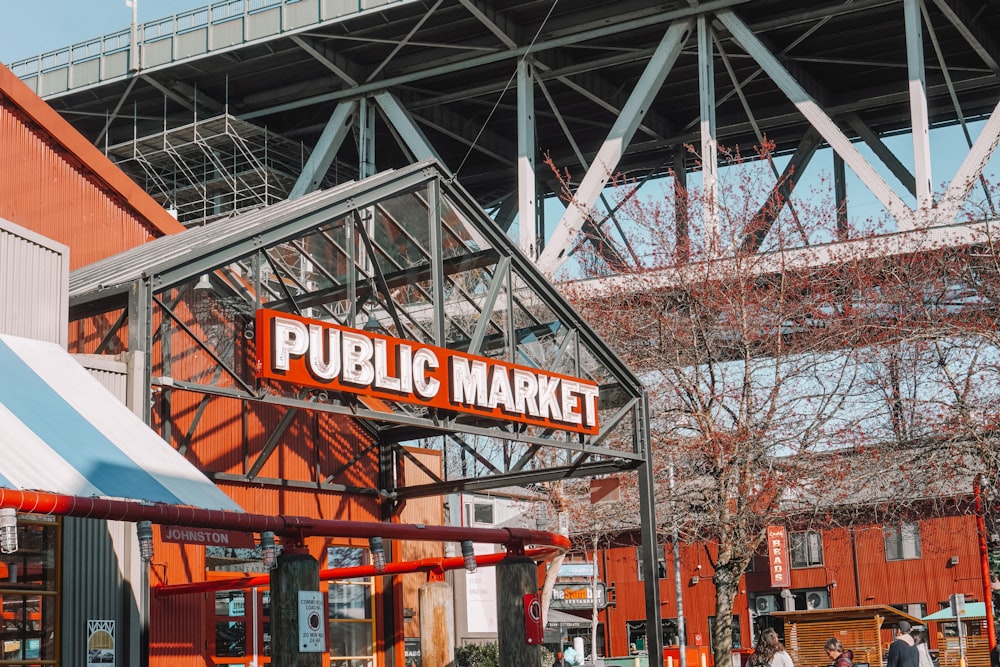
(214,168)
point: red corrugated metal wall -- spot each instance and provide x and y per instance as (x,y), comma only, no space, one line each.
(927,580)
(45,189)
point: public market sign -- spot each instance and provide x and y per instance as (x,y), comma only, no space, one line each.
(319,354)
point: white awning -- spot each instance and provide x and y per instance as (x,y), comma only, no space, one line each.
(62,432)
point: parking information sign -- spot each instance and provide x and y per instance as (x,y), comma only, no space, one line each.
(312,630)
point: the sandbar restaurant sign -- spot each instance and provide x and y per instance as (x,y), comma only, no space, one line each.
(328,356)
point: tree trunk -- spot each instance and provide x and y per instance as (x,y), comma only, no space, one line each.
(727,581)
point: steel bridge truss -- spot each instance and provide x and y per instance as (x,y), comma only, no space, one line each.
(487,88)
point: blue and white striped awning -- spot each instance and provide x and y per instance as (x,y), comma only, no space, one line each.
(62,432)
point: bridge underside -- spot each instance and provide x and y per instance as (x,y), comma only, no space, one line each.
(490,88)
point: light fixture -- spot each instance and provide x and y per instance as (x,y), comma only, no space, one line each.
(144,529)
(378,553)
(953,561)
(694,580)
(268,550)
(469,555)
(203,284)
(373,325)
(8,530)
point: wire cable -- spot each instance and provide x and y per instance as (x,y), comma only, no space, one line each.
(503,92)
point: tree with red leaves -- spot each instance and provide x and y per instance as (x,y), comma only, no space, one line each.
(763,352)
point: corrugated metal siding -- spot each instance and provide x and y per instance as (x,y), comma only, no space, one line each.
(34,274)
(47,191)
(109,371)
(95,555)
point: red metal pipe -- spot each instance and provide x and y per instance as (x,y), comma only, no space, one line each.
(438,565)
(984,556)
(292,528)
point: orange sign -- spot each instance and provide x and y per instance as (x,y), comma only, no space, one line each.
(328,356)
(777,556)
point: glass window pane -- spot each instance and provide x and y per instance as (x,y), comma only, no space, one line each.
(350,601)
(230,639)
(230,603)
(345,557)
(350,639)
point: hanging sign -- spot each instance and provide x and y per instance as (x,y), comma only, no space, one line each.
(328,356)
(777,556)
(214,537)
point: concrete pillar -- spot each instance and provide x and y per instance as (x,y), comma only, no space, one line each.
(437,624)
(516,577)
(296,571)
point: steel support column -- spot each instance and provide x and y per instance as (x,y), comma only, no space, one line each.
(648,523)
(709,144)
(405,129)
(918,107)
(606,161)
(325,150)
(527,214)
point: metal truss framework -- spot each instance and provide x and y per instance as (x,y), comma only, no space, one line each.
(489,89)
(406,252)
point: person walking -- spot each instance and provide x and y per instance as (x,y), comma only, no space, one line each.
(902,651)
(837,653)
(922,642)
(770,652)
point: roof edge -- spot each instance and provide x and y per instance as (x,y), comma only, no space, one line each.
(93,160)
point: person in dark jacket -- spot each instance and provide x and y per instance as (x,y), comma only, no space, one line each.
(840,657)
(902,651)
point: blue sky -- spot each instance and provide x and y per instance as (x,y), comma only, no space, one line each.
(32,27)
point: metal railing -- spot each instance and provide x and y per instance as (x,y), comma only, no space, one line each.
(178,24)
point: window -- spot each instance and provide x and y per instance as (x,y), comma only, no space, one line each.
(28,593)
(806,548)
(637,634)
(479,512)
(902,542)
(351,618)
(661,562)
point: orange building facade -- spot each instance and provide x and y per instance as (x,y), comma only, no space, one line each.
(913,567)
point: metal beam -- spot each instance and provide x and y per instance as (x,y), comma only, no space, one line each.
(920,128)
(325,150)
(325,61)
(889,159)
(527,212)
(961,17)
(568,228)
(709,144)
(972,167)
(808,107)
(761,223)
(405,128)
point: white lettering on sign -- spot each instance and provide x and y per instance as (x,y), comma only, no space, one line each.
(177,534)
(322,354)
